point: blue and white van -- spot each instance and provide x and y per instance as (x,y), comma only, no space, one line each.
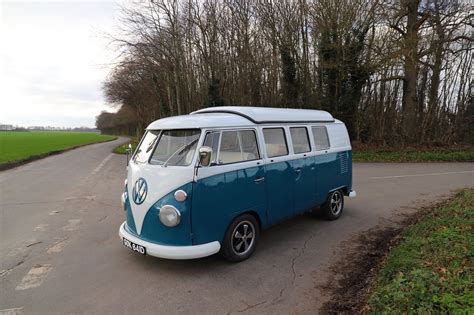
(212,180)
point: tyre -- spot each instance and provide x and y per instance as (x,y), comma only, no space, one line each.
(241,238)
(332,208)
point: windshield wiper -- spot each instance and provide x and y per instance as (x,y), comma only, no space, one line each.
(181,149)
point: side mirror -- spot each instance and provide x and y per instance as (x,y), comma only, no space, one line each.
(129,152)
(205,155)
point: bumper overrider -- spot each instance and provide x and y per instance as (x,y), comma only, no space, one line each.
(171,252)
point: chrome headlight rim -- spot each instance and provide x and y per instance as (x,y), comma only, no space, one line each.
(164,215)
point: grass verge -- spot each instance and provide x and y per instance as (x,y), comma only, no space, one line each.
(431,269)
(122,149)
(413,156)
(17,148)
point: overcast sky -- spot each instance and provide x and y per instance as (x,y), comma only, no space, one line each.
(53,60)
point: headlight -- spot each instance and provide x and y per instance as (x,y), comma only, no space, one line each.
(169,216)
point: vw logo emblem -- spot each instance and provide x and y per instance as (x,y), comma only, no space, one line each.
(140,189)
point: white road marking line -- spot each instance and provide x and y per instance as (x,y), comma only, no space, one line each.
(57,247)
(35,277)
(41,228)
(420,175)
(12,311)
(88,198)
(97,169)
(72,225)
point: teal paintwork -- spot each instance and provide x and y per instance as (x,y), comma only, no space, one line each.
(304,184)
(214,202)
(154,231)
(279,178)
(218,199)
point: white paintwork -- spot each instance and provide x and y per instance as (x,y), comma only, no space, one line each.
(199,121)
(211,118)
(270,114)
(160,181)
(338,136)
(352,194)
(172,252)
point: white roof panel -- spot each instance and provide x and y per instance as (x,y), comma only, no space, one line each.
(263,115)
(200,121)
(233,116)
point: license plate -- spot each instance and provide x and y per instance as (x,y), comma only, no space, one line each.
(135,247)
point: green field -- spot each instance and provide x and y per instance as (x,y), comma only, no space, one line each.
(431,271)
(20,146)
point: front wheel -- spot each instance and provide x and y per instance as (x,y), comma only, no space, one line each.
(241,238)
(332,208)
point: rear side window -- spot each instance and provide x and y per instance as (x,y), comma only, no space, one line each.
(321,139)
(238,146)
(300,140)
(275,142)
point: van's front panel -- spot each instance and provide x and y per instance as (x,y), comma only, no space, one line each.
(160,182)
(158,197)
(154,231)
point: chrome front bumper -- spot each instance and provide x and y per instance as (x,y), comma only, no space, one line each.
(172,252)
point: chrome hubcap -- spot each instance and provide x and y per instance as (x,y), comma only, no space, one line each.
(243,237)
(336,203)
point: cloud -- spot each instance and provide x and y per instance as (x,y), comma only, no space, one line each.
(53,61)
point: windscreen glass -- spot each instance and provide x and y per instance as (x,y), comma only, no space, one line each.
(146,146)
(176,147)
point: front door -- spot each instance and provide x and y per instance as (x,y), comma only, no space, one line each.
(233,184)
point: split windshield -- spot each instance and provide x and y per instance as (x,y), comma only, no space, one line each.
(168,147)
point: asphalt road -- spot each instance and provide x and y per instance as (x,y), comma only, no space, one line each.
(60,252)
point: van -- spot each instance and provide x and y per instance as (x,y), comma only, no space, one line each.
(212,180)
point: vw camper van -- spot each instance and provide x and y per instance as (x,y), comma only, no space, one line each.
(212,180)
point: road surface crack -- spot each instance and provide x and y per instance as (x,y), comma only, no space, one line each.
(35,243)
(7,271)
(248,307)
(301,252)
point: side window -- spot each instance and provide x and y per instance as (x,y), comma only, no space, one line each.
(238,146)
(300,140)
(275,142)
(212,141)
(320,136)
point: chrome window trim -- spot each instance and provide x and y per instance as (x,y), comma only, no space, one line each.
(307,137)
(285,136)
(327,138)
(221,130)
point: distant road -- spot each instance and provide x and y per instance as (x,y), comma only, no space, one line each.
(60,251)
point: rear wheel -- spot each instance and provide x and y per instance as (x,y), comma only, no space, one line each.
(332,208)
(241,238)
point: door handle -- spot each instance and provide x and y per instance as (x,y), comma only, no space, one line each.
(259,180)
